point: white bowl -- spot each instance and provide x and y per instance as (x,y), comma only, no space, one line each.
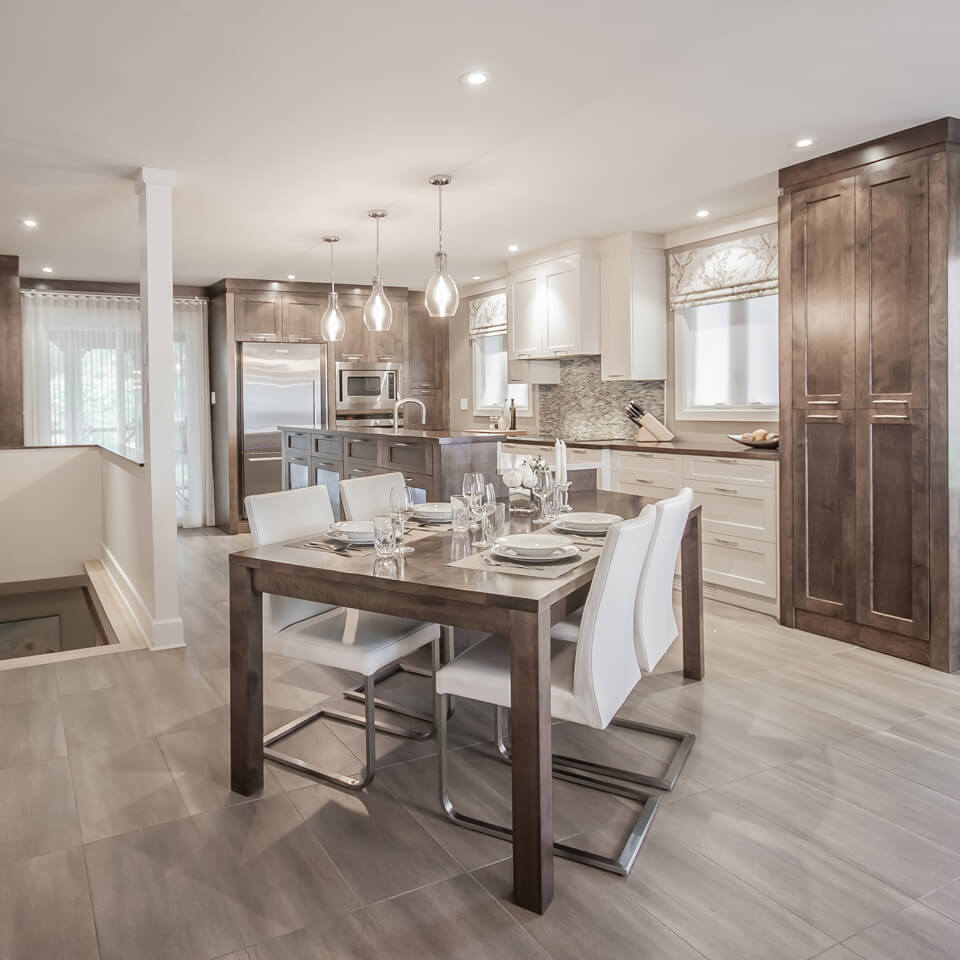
(436,512)
(562,553)
(358,530)
(535,546)
(589,522)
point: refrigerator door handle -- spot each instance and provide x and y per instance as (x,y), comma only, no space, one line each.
(319,404)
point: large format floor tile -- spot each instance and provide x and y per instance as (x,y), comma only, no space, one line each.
(917,933)
(31,731)
(29,683)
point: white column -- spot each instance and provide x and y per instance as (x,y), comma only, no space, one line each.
(155,190)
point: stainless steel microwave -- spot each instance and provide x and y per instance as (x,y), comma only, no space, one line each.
(364,386)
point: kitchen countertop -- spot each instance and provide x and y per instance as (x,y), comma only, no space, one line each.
(719,446)
(436,436)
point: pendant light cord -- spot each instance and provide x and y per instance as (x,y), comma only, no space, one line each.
(378,246)
(440,201)
(333,286)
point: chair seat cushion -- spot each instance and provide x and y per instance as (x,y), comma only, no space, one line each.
(568,629)
(353,640)
(483,673)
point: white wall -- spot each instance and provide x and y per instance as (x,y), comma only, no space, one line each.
(50,512)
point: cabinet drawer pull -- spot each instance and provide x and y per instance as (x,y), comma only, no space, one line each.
(358,470)
(259,339)
(725,460)
(400,443)
(726,489)
(889,401)
(891,416)
(823,416)
(385,358)
(641,480)
(351,356)
(824,403)
(726,542)
(267,459)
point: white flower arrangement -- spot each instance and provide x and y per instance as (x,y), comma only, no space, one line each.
(524,475)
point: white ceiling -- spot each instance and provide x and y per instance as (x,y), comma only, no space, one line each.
(287,120)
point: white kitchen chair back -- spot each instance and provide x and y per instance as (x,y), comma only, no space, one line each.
(606,669)
(656,624)
(276,518)
(363,498)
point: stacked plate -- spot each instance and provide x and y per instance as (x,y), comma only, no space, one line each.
(351,532)
(433,512)
(535,548)
(587,524)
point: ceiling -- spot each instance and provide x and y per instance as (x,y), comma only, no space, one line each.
(286,121)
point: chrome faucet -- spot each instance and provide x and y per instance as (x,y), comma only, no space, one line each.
(400,403)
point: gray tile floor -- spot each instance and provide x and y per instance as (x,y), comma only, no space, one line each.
(819,815)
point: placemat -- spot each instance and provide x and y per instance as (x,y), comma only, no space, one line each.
(549,571)
(578,538)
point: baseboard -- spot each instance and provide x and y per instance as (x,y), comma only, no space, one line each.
(736,599)
(157,634)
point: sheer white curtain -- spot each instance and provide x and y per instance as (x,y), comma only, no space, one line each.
(82,384)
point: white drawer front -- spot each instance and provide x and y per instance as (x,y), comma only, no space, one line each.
(730,471)
(737,511)
(740,564)
(627,483)
(584,455)
(665,469)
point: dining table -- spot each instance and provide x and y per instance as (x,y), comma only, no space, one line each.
(423,585)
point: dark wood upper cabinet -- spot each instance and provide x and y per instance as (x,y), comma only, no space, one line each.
(822,284)
(300,317)
(892,301)
(893,521)
(256,316)
(426,364)
(387,346)
(825,562)
(353,346)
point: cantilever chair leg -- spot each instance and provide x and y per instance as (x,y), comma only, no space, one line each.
(301,766)
(621,864)
(667,781)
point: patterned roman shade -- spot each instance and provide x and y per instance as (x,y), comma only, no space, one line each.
(488,315)
(736,269)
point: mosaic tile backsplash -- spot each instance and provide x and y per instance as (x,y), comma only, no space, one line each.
(584,407)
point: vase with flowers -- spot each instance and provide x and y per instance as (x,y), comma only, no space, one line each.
(521,482)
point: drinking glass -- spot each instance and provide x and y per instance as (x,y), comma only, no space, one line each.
(543,491)
(460,512)
(473,492)
(494,523)
(384,537)
(482,504)
(401,507)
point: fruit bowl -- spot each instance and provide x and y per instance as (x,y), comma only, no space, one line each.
(756,444)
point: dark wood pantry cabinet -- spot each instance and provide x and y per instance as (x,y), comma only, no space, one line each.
(869,372)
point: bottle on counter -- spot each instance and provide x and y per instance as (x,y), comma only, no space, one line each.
(513,414)
(506,413)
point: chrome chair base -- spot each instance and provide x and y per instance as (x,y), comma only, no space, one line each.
(367,720)
(563,763)
(620,864)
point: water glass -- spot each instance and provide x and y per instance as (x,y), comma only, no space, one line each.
(384,535)
(473,492)
(543,489)
(401,507)
(494,523)
(460,511)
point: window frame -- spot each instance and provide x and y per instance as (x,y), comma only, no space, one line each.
(762,413)
(482,411)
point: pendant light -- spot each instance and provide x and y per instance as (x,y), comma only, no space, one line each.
(377,312)
(441,297)
(332,324)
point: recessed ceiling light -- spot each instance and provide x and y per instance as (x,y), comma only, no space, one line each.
(475,278)
(513,248)
(475,78)
(805,142)
(47,269)
(703,213)
(290,276)
(29,223)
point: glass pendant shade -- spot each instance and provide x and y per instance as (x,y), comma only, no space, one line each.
(377,312)
(333,326)
(441,296)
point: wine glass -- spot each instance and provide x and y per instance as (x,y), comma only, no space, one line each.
(401,507)
(543,490)
(486,501)
(473,491)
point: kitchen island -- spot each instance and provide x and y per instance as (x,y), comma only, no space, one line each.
(432,461)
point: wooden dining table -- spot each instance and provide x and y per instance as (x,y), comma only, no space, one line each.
(424,586)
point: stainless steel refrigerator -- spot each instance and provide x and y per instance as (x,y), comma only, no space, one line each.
(281,384)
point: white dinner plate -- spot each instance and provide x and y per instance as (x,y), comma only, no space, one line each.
(562,553)
(588,522)
(335,537)
(536,546)
(433,512)
(359,531)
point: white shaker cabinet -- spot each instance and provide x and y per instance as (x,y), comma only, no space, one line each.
(553,304)
(633,308)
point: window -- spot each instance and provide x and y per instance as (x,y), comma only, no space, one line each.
(727,360)
(488,336)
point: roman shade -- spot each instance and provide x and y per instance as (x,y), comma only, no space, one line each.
(488,315)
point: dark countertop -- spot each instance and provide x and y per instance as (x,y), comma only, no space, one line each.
(434,436)
(719,446)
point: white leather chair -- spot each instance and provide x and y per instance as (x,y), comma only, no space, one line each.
(655,629)
(363,498)
(590,680)
(331,636)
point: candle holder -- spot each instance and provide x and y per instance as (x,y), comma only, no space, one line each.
(564,489)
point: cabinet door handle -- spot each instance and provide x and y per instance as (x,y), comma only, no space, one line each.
(726,542)
(358,470)
(726,489)
(351,356)
(259,338)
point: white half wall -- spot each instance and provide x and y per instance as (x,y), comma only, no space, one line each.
(51,513)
